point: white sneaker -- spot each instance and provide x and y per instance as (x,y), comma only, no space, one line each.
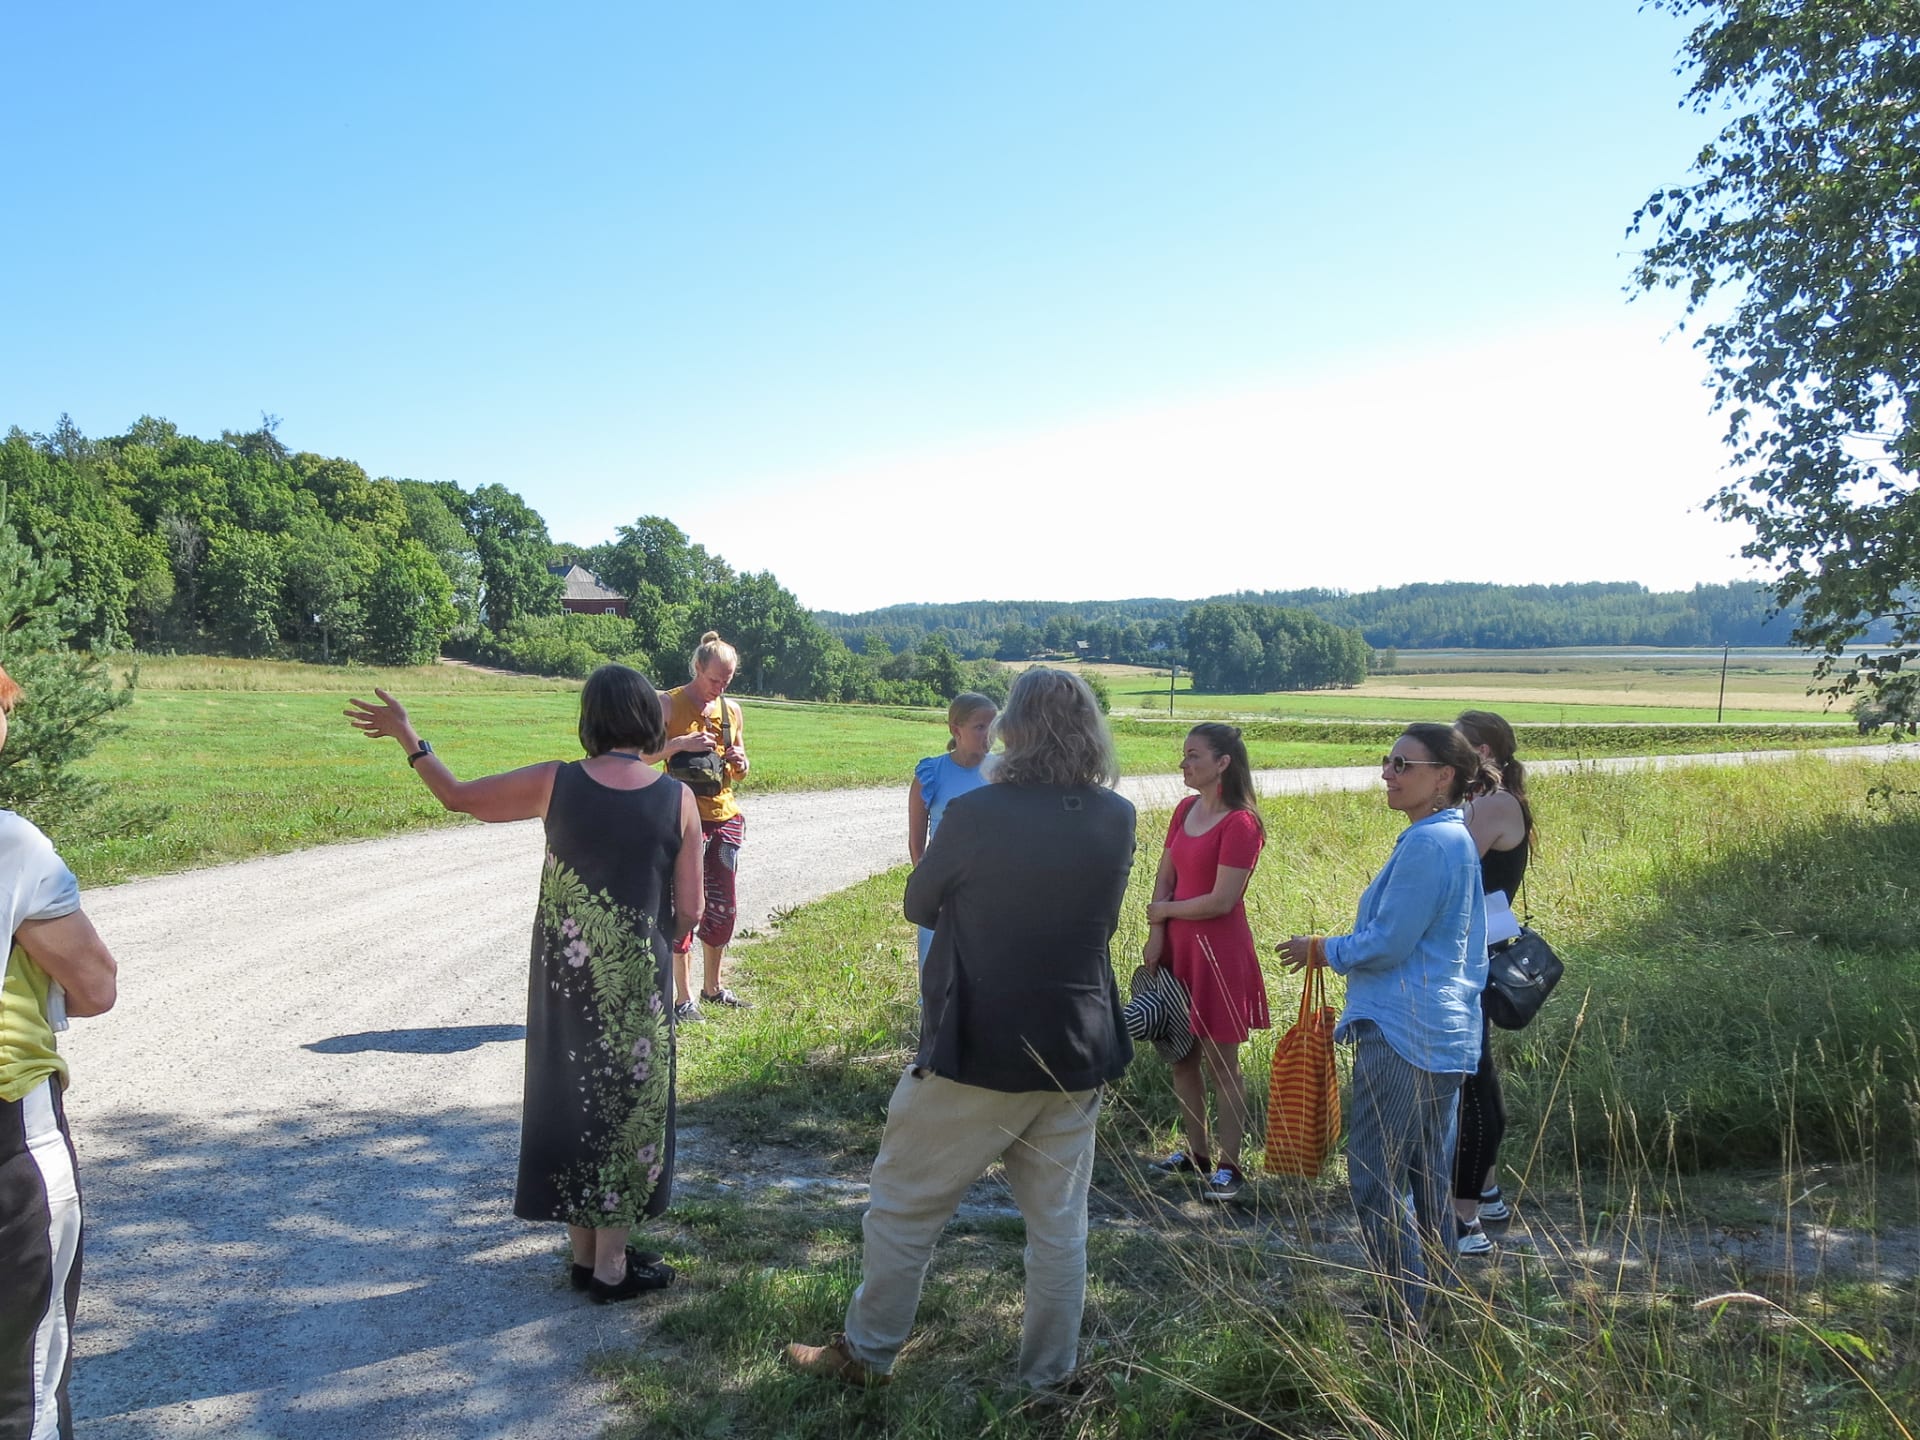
(1494,1209)
(1471,1239)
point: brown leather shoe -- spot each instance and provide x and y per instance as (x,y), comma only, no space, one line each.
(834,1361)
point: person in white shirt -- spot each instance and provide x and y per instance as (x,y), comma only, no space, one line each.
(57,966)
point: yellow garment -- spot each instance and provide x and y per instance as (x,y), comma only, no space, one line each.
(685,717)
(27,1054)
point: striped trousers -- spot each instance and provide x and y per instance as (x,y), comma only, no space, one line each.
(1400,1139)
(39,1265)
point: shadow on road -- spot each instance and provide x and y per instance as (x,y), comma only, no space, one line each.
(433,1040)
(280,1252)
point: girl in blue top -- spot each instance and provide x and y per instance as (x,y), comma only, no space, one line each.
(1415,964)
(938,778)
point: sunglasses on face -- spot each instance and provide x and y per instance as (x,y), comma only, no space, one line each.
(1397,764)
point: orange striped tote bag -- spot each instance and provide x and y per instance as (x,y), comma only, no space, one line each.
(1303,1094)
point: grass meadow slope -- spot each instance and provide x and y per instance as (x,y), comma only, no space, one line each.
(253,757)
(1723,1100)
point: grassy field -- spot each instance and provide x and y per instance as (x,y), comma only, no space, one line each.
(1645,1138)
(254,757)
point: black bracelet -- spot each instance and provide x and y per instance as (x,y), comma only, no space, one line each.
(414,759)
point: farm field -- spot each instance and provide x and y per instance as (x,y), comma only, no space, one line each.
(1542,686)
(254,757)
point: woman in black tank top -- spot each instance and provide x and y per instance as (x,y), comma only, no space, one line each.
(620,884)
(1501,823)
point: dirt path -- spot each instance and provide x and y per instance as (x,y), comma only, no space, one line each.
(298,1131)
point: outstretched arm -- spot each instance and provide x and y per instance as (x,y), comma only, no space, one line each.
(512,795)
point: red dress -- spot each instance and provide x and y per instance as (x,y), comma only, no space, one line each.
(1230,994)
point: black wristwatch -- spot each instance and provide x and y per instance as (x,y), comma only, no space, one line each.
(426,749)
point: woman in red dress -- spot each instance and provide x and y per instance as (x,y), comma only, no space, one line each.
(1198,924)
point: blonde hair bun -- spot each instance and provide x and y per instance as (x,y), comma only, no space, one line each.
(711,648)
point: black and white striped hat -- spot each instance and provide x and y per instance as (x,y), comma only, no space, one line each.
(1158,1012)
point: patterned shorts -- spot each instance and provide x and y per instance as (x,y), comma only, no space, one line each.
(720,862)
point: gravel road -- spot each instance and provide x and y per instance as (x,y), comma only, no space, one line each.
(298,1128)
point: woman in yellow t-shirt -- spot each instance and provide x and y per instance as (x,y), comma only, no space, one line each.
(705,749)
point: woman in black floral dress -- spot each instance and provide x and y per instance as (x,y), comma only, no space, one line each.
(620,883)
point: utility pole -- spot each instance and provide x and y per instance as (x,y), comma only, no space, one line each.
(1725,651)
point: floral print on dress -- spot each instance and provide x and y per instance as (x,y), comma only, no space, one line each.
(600,956)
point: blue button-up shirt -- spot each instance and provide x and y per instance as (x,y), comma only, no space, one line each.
(1416,961)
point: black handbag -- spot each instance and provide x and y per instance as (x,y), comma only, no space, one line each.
(1521,973)
(704,772)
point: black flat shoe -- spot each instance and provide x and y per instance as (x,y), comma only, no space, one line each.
(636,1259)
(639,1278)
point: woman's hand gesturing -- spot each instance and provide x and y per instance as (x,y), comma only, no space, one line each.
(377,722)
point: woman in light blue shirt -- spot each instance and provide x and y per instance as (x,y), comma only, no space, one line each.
(940,778)
(1415,964)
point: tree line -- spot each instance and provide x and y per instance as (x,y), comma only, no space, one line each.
(1425,616)
(164,541)
(244,546)
(1250,649)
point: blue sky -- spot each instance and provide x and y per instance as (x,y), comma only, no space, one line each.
(900,302)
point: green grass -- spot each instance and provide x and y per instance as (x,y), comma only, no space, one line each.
(1778,901)
(1734,1048)
(224,673)
(254,757)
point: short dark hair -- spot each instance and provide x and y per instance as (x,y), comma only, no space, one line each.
(618,706)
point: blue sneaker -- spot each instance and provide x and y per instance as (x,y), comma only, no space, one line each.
(1224,1184)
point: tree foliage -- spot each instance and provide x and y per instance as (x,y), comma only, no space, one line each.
(242,544)
(511,540)
(1421,616)
(409,607)
(1258,648)
(69,695)
(1796,244)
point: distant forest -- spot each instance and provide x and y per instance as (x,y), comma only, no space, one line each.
(1408,617)
(165,541)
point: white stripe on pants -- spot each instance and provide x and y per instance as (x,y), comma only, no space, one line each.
(941,1136)
(1400,1139)
(47,1151)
